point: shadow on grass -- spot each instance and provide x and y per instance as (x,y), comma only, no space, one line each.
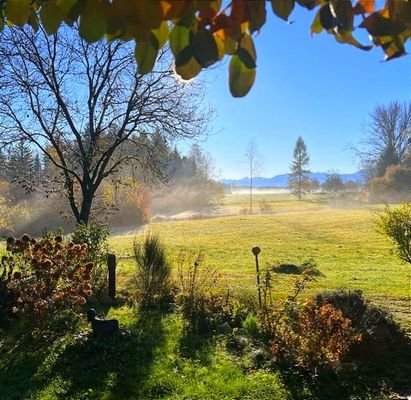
(20,356)
(116,366)
(292,269)
(197,347)
(80,366)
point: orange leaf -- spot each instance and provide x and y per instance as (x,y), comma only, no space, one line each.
(364,6)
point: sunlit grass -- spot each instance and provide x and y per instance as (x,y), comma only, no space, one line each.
(345,244)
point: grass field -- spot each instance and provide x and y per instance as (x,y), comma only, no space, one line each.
(158,359)
(344,243)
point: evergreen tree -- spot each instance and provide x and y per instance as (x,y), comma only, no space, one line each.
(21,165)
(298,178)
(21,170)
(37,167)
(3,166)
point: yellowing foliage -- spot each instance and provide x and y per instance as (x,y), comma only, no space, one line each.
(203,31)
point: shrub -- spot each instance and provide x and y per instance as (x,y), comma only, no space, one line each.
(380,333)
(250,324)
(45,276)
(202,308)
(396,224)
(312,336)
(270,313)
(95,235)
(153,270)
(393,186)
(265,206)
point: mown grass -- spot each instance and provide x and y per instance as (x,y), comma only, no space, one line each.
(157,359)
(277,201)
(152,361)
(345,244)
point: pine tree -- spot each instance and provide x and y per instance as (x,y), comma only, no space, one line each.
(3,166)
(298,178)
(21,163)
(21,170)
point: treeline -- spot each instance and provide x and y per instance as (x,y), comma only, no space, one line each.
(33,199)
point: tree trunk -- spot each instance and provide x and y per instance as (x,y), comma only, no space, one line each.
(86,205)
(251,194)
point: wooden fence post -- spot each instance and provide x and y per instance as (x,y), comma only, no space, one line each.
(111,263)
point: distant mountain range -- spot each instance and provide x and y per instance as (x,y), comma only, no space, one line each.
(282,180)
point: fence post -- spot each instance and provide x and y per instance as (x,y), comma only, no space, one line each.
(111,263)
(256,251)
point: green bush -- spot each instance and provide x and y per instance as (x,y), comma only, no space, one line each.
(396,224)
(153,271)
(95,235)
(250,324)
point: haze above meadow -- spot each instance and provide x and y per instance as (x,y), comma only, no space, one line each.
(306,86)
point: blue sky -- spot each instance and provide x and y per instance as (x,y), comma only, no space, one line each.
(306,86)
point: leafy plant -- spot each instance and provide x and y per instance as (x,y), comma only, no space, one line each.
(46,276)
(95,235)
(250,324)
(153,270)
(380,333)
(214,28)
(307,336)
(202,308)
(312,336)
(396,224)
(271,313)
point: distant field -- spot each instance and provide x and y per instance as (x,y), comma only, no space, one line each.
(343,241)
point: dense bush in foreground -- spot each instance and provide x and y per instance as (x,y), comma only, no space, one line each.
(41,277)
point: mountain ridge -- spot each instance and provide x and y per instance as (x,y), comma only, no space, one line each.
(281,180)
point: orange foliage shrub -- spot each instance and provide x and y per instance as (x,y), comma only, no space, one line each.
(312,336)
(393,186)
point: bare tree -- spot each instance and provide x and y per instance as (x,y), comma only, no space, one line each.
(254,164)
(333,183)
(385,137)
(81,103)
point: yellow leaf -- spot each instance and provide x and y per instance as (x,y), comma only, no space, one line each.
(148,13)
(179,39)
(241,78)
(282,8)
(146,56)
(316,26)
(189,70)
(93,25)
(161,34)
(220,46)
(51,16)
(65,5)
(17,11)
(171,9)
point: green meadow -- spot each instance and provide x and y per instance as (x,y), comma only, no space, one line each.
(344,243)
(156,358)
